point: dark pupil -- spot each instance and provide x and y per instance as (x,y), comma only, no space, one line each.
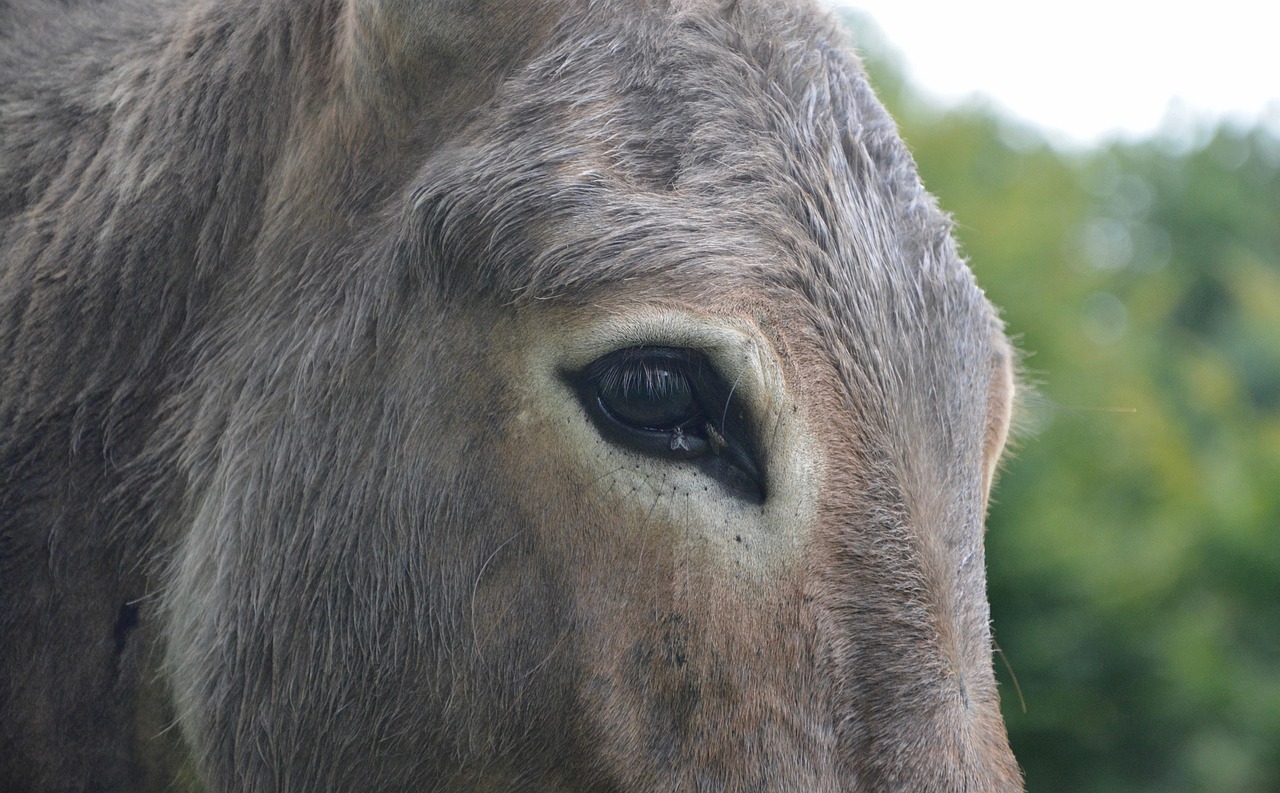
(650,395)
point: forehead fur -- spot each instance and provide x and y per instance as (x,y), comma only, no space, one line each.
(707,143)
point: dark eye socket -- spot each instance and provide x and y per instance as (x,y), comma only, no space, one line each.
(669,402)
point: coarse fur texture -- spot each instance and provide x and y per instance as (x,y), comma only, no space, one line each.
(295,493)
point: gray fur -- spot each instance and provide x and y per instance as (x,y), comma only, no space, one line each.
(263,266)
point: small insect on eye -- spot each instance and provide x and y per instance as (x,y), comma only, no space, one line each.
(670,403)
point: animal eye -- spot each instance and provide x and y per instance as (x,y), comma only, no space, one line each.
(670,403)
(648,391)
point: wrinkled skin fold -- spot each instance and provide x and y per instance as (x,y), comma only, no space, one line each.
(315,472)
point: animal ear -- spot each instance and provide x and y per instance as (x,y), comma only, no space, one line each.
(443,52)
(1001,401)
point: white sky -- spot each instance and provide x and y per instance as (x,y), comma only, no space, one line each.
(1088,70)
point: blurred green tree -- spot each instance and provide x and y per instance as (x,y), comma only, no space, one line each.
(1134,541)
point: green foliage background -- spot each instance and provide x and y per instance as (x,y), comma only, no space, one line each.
(1134,542)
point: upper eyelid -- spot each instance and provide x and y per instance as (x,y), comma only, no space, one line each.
(616,363)
(629,374)
(699,372)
